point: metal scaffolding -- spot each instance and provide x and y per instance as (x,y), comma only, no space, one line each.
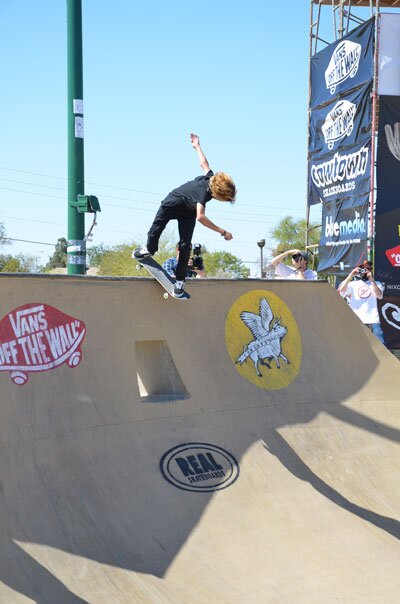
(330,20)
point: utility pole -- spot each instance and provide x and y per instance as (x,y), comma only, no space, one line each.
(76,181)
(78,203)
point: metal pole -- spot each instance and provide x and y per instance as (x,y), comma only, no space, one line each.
(76,221)
(261,244)
(371,241)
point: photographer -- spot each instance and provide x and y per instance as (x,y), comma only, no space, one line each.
(195,267)
(362,294)
(299,268)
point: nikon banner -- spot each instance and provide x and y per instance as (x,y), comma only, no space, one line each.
(387,220)
(343,242)
(387,251)
(343,65)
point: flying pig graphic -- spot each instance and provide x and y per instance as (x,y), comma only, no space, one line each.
(268,333)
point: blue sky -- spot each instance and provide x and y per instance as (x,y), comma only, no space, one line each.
(235,73)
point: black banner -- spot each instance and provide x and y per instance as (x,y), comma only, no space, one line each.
(387,218)
(343,242)
(388,155)
(341,123)
(387,251)
(343,65)
(389,313)
(343,173)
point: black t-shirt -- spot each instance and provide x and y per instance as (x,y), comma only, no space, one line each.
(191,193)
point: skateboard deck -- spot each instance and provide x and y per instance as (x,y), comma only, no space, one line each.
(161,276)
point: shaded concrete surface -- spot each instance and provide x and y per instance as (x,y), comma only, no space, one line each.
(86,514)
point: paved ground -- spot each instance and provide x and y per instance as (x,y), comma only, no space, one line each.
(152,451)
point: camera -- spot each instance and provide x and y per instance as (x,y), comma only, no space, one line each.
(362,273)
(197,259)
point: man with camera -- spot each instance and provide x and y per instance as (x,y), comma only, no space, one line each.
(299,268)
(195,269)
(362,294)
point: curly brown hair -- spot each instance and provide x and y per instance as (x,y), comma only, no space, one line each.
(222,187)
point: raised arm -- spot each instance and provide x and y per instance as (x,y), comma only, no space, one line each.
(202,158)
(275,261)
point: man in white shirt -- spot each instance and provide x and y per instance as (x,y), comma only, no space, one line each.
(362,295)
(299,268)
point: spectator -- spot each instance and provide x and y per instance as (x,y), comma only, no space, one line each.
(299,268)
(192,272)
(362,294)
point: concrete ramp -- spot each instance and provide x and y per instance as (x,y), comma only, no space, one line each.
(239,448)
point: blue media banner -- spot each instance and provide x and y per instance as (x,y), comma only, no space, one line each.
(343,65)
(341,123)
(343,242)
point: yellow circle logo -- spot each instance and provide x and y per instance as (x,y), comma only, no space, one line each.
(263,340)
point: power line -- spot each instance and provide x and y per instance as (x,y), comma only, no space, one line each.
(28,241)
(116,188)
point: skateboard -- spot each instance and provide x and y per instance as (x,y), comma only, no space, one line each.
(161,276)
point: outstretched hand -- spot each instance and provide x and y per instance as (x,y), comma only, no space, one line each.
(195,141)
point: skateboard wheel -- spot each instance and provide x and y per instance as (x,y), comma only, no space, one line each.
(138,267)
(165,295)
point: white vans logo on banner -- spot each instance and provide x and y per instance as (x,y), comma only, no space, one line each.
(343,64)
(339,122)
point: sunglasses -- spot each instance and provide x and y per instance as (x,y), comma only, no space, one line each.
(296,257)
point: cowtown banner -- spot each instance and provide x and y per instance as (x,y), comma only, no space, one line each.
(343,173)
(343,242)
(387,220)
(343,65)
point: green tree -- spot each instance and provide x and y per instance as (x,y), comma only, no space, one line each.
(59,257)
(224,265)
(290,233)
(19,264)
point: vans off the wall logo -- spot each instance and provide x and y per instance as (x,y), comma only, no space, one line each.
(344,64)
(199,467)
(38,337)
(263,340)
(339,122)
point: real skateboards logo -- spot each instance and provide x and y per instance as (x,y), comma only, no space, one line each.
(263,340)
(200,467)
(38,337)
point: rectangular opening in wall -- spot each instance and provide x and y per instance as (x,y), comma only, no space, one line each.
(157,376)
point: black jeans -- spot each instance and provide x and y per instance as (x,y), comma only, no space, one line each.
(186,224)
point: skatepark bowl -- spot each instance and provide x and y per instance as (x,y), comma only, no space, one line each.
(241,448)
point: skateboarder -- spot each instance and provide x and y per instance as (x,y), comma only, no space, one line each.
(186,204)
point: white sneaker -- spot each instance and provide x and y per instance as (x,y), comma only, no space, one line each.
(179,289)
(141,252)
